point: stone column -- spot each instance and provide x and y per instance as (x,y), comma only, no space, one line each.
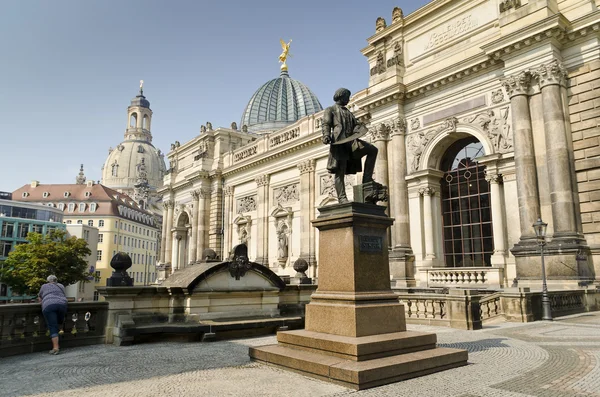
(262,183)
(214,224)
(164,231)
(176,239)
(381,136)
(307,205)
(428,229)
(499,256)
(527,186)
(169,239)
(550,77)
(194,235)
(401,256)
(203,196)
(399,188)
(227,226)
(189,244)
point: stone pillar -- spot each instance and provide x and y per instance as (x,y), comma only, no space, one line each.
(164,231)
(201,220)
(381,136)
(215,218)
(498,229)
(401,256)
(193,238)
(189,245)
(176,239)
(262,183)
(428,229)
(227,238)
(169,239)
(307,205)
(550,77)
(527,186)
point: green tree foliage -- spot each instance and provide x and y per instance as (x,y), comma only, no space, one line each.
(28,265)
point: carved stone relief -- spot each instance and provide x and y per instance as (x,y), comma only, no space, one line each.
(495,125)
(415,124)
(246,204)
(286,194)
(497,96)
(416,143)
(327,186)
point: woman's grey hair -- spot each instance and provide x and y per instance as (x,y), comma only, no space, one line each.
(52,279)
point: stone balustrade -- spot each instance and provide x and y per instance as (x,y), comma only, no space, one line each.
(473,277)
(23,329)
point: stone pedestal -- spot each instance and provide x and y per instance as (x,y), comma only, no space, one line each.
(355,326)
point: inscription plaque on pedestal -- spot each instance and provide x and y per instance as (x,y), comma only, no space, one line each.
(370,244)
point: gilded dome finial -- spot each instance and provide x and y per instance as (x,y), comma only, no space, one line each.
(285,54)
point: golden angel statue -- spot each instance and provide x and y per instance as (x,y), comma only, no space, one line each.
(286,49)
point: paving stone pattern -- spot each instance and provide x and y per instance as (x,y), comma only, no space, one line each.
(505,359)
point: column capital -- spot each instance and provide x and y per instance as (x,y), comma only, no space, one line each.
(204,192)
(262,180)
(492,177)
(398,126)
(168,204)
(195,194)
(380,132)
(228,191)
(517,84)
(426,191)
(551,73)
(306,166)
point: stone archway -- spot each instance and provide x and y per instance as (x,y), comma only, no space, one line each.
(428,190)
(465,206)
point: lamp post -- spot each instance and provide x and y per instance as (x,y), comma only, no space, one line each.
(540,231)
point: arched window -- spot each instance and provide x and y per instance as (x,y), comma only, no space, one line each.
(145,121)
(133,120)
(466,211)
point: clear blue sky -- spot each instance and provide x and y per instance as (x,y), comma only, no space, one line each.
(70,67)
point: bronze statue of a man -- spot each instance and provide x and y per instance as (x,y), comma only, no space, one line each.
(345,158)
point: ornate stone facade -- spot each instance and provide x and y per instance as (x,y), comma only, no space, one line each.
(462,114)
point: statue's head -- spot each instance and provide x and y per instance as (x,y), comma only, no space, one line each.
(342,96)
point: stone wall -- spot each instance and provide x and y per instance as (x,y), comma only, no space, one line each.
(584,108)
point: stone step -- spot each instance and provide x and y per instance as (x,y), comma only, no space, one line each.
(361,374)
(360,348)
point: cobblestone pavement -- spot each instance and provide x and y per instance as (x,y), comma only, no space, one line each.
(505,359)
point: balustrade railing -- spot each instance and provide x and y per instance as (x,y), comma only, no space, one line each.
(478,277)
(490,306)
(23,328)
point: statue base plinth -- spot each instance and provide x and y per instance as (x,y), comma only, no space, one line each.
(355,326)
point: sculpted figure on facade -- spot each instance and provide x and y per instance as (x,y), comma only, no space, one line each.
(495,125)
(380,24)
(415,144)
(282,243)
(202,129)
(397,14)
(338,128)
(234,126)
